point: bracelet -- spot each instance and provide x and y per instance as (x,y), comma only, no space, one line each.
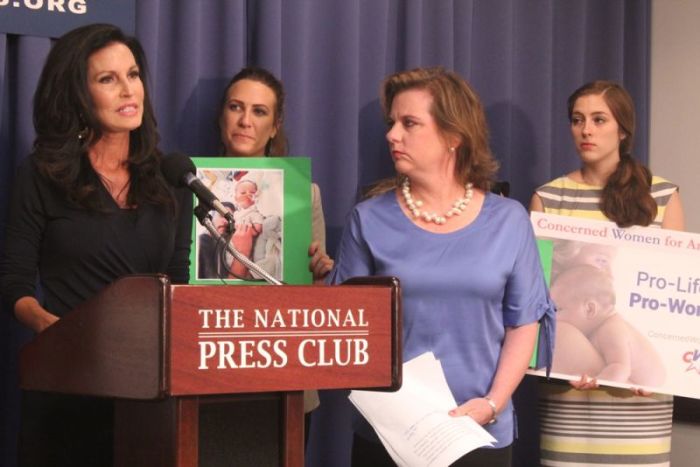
(492,404)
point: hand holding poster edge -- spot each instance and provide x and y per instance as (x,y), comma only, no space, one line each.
(653,273)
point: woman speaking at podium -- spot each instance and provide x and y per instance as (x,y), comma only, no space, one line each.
(88,205)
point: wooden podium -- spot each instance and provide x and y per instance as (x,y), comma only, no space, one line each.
(237,356)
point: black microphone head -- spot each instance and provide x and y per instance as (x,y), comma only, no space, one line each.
(175,166)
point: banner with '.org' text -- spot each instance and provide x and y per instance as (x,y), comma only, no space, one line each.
(53,18)
(628,303)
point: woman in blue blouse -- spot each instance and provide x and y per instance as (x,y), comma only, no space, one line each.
(473,289)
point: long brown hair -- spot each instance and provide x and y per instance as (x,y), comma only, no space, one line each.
(66,123)
(626,197)
(278,145)
(457,110)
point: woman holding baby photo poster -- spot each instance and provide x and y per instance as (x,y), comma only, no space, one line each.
(251,116)
(251,124)
(612,426)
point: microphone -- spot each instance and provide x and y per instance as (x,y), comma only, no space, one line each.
(179,171)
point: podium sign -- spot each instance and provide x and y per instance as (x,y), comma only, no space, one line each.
(233,339)
(174,354)
(143,338)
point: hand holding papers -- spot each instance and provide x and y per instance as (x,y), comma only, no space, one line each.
(413,423)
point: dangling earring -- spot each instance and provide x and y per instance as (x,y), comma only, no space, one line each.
(83,134)
(268,147)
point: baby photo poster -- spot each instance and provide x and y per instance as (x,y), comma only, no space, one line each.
(628,303)
(269,200)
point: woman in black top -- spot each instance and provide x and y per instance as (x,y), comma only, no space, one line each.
(88,205)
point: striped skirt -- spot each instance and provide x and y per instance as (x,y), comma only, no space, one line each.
(603,427)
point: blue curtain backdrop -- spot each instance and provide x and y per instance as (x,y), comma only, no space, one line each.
(524,57)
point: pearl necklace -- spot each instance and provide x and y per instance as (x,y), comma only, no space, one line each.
(414,205)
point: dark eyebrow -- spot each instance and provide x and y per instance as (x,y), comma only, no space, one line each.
(595,113)
(410,116)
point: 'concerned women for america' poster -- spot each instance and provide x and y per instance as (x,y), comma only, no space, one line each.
(628,303)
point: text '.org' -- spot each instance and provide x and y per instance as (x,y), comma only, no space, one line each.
(78,7)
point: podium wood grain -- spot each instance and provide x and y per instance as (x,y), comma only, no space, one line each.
(140,342)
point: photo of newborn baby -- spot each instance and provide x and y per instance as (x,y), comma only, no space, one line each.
(592,337)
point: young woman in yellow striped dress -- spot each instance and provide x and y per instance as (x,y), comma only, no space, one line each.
(582,424)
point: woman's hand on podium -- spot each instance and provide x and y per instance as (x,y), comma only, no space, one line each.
(30,313)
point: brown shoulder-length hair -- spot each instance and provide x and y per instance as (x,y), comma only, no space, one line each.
(626,197)
(278,145)
(457,110)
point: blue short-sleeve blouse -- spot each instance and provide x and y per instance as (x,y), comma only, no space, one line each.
(459,289)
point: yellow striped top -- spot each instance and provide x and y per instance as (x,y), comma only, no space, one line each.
(605,426)
(567,197)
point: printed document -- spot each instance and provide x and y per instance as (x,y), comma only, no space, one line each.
(413,423)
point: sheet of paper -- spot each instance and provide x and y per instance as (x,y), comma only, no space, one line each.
(413,423)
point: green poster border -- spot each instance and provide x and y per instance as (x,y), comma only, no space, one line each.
(545,248)
(296,223)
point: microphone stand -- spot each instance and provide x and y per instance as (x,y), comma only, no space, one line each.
(204,218)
